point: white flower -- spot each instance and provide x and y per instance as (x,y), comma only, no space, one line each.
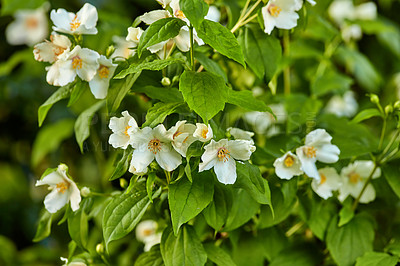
(222,154)
(317,147)
(263,122)
(29,27)
(80,61)
(203,132)
(123,48)
(288,166)
(164,3)
(281,14)
(238,133)
(100,82)
(123,129)
(182,136)
(83,22)
(153,144)
(146,232)
(64,190)
(213,14)
(366,11)
(354,177)
(312,2)
(351,32)
(330,181)
(134,35)
(340,10)
(342,106)
(49,51)
(72,263)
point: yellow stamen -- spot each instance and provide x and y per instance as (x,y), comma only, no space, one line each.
(76,62)
(184,141)
(223,154)
(354,178)
(310,152)
(179,14)
(147,232)
(75,23)
(177,133)
(62,187)
(126,130)
(154,146)
(274,10)
(289,161)
(204,133)
(103,72)
(31,23)
(323,179)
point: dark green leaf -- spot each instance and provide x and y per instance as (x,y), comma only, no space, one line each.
(246,100)
(122,165)
(9,7)
(273,241)
(377,259)
(117,91)
(187,200)
(44,227)
(302,255)
(78,90)
(210,65)
(218,255)
(194,10)
(346,213)
(391,173)
(366,114)
(204,92)
(157,114)
(216,212)
(151,177)
(330,81)
(78,227)
(151,258)
(166,95)
(155,65)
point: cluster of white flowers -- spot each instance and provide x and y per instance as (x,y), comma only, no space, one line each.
(281,14)
(148,233)
(168,147)
(342,106)
(68,61)
(344,13)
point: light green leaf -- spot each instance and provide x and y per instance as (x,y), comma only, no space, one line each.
(341,240)
(83,122)
(78,225)
(391,173)
(218,255)
(366,114)
(216,212)
(122,164)
(183,249)
(210,65)
(187,200)
(157,114)
(166,95)
(330,81)
(193,151)
(61,93)
(159,31)
(44,227)
(79,88)
(151,177)
(194,10)
(204,92)
(377,259)
(262,52)
(246,100)
(221,39)
(155,65)
(117,91)
(346,213)
(150,258)
(14,60)
(9,7)
(50,138)
(124,212)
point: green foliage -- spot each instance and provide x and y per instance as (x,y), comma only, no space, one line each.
(44,227)
(160,111)
(152,257)
(78,224)
(217,211)
(210,65)
(366,114)
(376,259)
(246,100)
(330,81)
(122,164)
(194,10)
(166,95)
(117,91)
(218,255)
(391,173)
(9,7)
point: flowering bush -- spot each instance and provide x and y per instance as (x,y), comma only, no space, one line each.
(214,132)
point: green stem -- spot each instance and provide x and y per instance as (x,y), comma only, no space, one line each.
(393,139)
(170,50)
(243,19)
(382,133)
(355,204)
(286,71)
(249,19)
(191,47)
(244,9)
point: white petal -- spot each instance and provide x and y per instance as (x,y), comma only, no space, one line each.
(285,172)
(87,15)
(168,158)
(269,21)
(240,149)
(328,153)
(90,64)
(74,196)
(66,74)
(308,164)
(209,157)
(330,181)
(99,87)
(183,40)
(318,137)
(156,47)
(203,133)
(62,19)
(54,201)
(141,158)
(51,179)
(286,20)
(213,14)
(154,15)
(368,195)
(226,171)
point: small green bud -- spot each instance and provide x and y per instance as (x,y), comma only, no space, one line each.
(374,98)
(388,109)
(165,81)
(175,79)
(397,105)
(123,183)
(100,248)
(110,50)
(153,165)
(85,192)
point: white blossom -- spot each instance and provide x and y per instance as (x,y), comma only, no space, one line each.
(83,22)
(213,14)
(182,136)
(49,51)
(123,49)
(317,147)
(288,166)
(203,132)
(123,129)
(134,35)
(280,14)
(222,155)
(238,133)
(63,190)
(330,181)
(100,82)
(146,232)
(342,106)
(265,122)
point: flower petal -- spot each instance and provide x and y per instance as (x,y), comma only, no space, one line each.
(240,149)
(328,153)
(168,158)
(54,201)
(226,171)
(153,16)
(141,158)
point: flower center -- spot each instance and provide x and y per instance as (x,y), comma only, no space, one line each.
(75,23)
(154,146)
(31,23)
(223,154)
(147,232)
(323,179)
(58,50)
(76,62)
(177,133)
(354,178)
(62,187)
(126,130)
(179,14)
(310,152)
(204,133)
(274,10)
(103,72)
(289,161)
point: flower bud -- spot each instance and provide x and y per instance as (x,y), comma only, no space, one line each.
(374,98)
(175,79)
(85,192)
(165,81)
(388,109)
(123,183)
(397,105)
(100,248)
(110,50)
(63,167)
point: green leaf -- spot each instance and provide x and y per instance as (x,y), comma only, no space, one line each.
(194,10)
(187,200)
(218,255)
(262,52)
(221,39)
(330,81)
(157,114)
(246,100)
(61,93)
(44,227)
(123,213)
(366,114)
(9,7)
(391,173)
(248,250)
(122,164)
(249,178)
(346,213)
(301,255)
(79,88)
(193,151)
(273,241)
(14,60)
(117,91)
(78,225)
(377,259)
(159,31)
(83,122)
(151,177)
(210,65)
(50,138)
(155,65)
(350,241)
(183,249)
(216,212)
(166,95)
(204,92)
(151,258)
